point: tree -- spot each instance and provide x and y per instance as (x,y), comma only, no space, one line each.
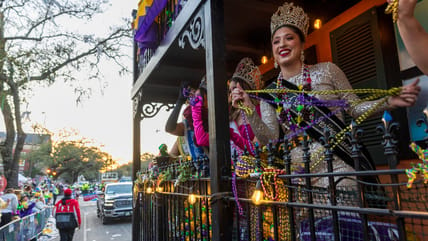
(125,170)
(39,159)
(146,158)
(36,48)
(74,158)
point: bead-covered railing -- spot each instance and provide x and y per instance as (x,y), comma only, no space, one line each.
(292,205)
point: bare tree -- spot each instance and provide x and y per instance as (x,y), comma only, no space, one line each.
(37,49)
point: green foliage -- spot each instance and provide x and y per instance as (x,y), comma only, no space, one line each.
(74,158)
(40,45)
(146,158)
(125,170)
(39,159)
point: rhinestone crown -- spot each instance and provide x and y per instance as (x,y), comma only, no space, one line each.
(248,72)
(288,14)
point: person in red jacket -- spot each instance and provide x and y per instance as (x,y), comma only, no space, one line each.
(67,205)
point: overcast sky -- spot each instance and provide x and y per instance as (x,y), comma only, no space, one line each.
(107,116)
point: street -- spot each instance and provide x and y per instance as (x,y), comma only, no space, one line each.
(93,230)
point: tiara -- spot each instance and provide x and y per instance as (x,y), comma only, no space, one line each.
(248,72)
(288,14)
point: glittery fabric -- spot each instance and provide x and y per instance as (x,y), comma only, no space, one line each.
(327,76)
(317,150)
(266,127)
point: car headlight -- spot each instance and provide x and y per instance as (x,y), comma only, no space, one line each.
(109,203)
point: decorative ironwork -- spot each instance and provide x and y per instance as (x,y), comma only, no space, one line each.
(194,32)
(136,104)
(150,110)
(389,130)
(354,136)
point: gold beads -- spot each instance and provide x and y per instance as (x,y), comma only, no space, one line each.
(392,8)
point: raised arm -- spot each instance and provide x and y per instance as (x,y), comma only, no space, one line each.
(172,126)
(414,36)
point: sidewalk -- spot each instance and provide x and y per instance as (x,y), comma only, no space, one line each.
(49,232)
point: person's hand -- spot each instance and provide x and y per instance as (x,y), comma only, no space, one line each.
(239,96)
(183,91)
(406,8)
(197,101)
(408,96)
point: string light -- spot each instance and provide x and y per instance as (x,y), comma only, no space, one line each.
(192,199)
(159,189)
(149,190)
(257,197)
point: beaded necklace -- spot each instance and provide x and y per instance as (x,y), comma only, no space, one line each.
(302,103)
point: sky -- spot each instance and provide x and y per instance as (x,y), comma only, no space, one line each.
(105,118)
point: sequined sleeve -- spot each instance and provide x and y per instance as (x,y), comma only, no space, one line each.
(340,81)
(266,127)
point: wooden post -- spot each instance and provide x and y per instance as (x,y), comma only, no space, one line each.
(136,165)
(218,121)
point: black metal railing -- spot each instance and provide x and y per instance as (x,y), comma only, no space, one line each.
(350,206)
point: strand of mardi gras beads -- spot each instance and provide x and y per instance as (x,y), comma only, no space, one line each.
(235,195)
(392,8)
(324,103)
(247,109)
(393,91)
(338,137)
(341,135)
(249,141)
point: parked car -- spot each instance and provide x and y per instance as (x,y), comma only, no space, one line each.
(115,202)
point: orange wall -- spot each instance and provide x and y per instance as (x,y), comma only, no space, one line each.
(321,37)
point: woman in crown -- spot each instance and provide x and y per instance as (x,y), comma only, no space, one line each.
(289,28)
(258,123)
(298,112)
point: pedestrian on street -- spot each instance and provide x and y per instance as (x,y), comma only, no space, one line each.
(67,215)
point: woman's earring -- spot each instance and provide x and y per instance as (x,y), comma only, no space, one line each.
(275,65)
(302,56)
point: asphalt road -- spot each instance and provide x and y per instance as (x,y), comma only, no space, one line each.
(93,230)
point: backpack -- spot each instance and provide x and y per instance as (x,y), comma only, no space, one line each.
(66,220)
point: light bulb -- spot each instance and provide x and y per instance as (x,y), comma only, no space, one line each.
(264,59)
(317,23)
(149,190)
(257,197)
(192,199)
(159,189)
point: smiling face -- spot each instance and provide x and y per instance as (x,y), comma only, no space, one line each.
(286,46)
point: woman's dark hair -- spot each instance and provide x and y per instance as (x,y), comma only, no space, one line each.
(294,29)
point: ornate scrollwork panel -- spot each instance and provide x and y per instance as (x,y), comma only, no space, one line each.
(194,32)
(150,110)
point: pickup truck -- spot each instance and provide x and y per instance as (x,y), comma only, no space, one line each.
(115,201)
